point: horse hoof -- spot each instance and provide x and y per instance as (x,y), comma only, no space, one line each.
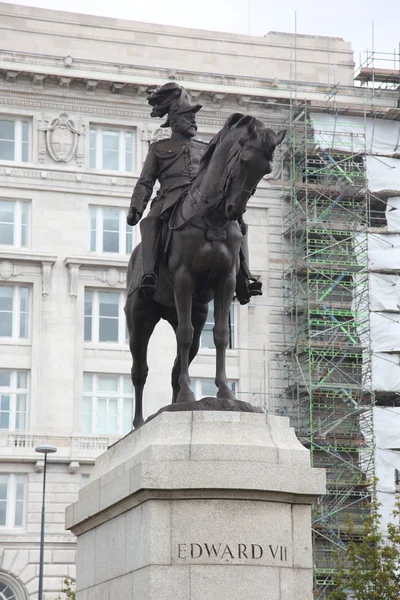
(186,397)
(138,423)
(227,395)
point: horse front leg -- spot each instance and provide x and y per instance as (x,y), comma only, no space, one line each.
(141,319)
(224,292)
(183,292)
(199,317)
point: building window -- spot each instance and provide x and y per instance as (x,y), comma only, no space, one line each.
(207,338)
(109,231)
(13,399)
(12,500)
(104,317)
(84,479)
(111,149)
(14,311)
(14,222)
(107,404)
(14,140)
(206,387)
(6,593)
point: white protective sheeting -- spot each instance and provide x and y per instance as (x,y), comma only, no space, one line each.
(385,332)
(383,174)
(383,251)
(386,372)
(393,214)
(353,134)
(384,292)
(387,427)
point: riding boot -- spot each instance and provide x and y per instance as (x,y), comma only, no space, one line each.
(150,229)
(246,283)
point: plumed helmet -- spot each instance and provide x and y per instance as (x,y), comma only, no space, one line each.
(171,99)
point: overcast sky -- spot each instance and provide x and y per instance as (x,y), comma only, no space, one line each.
(351,20)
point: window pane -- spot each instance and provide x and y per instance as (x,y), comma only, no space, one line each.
(110,230)
(110,160)
(19,514)
(88,316)
(92,148)
(22,380)
(7,130)
(93,223)
(24,223)
(6,234)
(127,415)
(20,487)
(25,141)
(3,498)
(208,388)
(128,151)
(7,140)
(108,304)
(108,330)
(5,404)
(20,415)
(111,141)
(6,308)
(6,150)
(108,383)
(7,217)
(5,378)
(207,339)
(87,383)
(102,415)
(111,150)
(25,131)
(87,414)
(128,388)
(23,312)
(128,240)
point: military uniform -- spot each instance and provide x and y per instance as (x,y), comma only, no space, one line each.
(174,163)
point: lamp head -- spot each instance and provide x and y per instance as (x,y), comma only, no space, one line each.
(45,449)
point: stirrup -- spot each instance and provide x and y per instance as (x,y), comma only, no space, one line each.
(255,287)
(148,285)
(246,288)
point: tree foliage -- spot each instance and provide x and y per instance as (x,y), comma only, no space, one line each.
(69,588)
(369,569)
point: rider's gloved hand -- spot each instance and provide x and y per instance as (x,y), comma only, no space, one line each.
(133,217)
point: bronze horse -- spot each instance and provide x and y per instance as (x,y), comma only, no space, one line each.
(201,256)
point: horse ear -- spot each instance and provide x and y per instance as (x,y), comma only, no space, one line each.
(280,136)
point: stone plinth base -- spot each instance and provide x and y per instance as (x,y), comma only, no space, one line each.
(198,506)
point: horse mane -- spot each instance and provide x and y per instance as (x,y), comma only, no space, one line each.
(237,122)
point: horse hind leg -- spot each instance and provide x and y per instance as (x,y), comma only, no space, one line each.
(141,327)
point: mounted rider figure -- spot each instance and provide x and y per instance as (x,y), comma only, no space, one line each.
(174,162)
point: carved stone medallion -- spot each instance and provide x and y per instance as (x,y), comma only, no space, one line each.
(62,138)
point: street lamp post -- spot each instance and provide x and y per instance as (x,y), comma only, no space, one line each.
(45,449)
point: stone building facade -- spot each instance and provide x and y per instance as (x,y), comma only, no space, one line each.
(74,132)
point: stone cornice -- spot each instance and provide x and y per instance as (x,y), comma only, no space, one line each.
(103,261)
(27,256)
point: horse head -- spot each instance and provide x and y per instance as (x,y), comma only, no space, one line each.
(250,159)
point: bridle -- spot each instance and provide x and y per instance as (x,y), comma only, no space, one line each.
(212,202)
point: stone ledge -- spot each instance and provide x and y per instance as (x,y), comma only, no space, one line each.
(204,450)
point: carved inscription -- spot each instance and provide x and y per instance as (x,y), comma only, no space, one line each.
(225,552)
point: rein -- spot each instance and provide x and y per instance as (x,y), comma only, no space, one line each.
(210,202)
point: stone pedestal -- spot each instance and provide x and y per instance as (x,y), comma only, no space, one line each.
(198,506)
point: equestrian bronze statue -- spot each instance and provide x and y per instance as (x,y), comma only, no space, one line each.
(194,242)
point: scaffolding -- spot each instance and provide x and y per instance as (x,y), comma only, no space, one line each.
(327,357)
